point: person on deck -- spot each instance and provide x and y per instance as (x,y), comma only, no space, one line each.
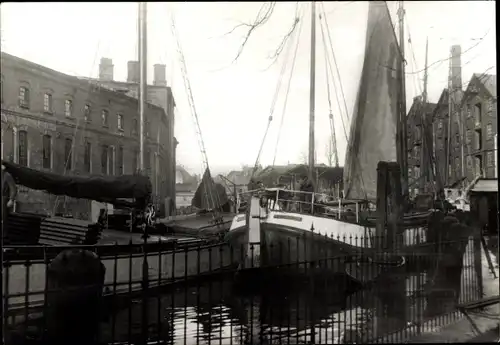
(307,188)
(9,193)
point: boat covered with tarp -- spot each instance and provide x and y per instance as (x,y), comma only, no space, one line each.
(116,190)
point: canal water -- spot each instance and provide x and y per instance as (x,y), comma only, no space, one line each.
(223,311)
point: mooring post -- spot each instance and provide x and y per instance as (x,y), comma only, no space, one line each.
(390,216)
(75,281)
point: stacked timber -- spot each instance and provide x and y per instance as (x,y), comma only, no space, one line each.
(23,228)
(61,231)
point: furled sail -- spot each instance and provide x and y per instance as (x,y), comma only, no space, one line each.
(374,122)
(209,195)
(100,188)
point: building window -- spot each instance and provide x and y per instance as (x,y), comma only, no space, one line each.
(120,122)
(417,173)
(490,107)
(147,129)
(477,140)
(104,159)
(489,159)
(47,152)
(68,153)
(468,137)
(68,108)
(104,118)
(489,131)
(111,160)
(469,112)
(47,103)
(457,138)
(418,133)
(469,162)
(440,124)
(478,165)
(24,97)
(457,165)
(135,126)
(120,160)
(477,113)
(23,148)
(410,172)
(86,112)
(87,157)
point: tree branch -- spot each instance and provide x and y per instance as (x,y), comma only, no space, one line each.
(259,21)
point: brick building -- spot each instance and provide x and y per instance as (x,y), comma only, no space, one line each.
(479,114)
(419,122)
(158,94)
(469,151)
(55,122)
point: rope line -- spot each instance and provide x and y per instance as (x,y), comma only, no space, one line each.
(273,105)
(288,89)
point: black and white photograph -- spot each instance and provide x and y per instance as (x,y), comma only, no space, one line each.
(245,173)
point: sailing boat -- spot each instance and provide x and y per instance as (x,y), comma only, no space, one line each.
(376,129)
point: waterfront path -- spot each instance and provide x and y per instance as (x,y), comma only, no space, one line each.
(486,320)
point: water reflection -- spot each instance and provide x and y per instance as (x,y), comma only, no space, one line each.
(222,312)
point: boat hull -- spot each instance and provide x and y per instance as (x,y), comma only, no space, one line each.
(293,250)
(304,244)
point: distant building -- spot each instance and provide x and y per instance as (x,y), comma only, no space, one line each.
(479,114)
(55,122)
(185,186)
(158,94)
(419,123)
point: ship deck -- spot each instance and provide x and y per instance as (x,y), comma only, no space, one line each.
(196,224)
(120,237)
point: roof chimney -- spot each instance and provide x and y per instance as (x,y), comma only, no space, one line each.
(456,68)
(133,72)
(160,75)
(106,69)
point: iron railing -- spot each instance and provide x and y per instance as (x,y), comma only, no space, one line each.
(202,294)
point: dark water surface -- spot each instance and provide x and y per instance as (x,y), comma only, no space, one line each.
(250,312)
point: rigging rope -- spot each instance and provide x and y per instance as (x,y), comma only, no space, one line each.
(77,125)
(187,87)
(330,69)
(288,89)
(335,61)
(273,104)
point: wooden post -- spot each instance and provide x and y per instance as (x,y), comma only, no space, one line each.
(75,283)
(392,292)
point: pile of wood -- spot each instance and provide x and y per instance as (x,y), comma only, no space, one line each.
(23,229)
(60,231)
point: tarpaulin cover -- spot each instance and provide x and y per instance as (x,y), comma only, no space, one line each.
(209,195)
(99,188)
(374,124)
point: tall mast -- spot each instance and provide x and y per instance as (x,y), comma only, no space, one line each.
(403,130)
(450,110)
(143,69)
(312,94)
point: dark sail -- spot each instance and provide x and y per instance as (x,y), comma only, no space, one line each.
(100,188)
(209,195)
(374,123)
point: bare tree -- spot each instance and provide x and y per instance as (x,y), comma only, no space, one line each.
(262,17)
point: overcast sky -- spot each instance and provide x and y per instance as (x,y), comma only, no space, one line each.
(234,100)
